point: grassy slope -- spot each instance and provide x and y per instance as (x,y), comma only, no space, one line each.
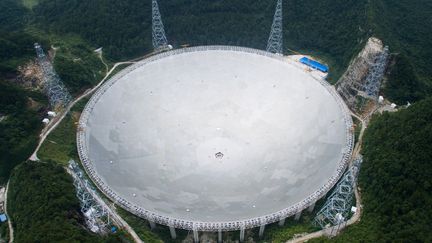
(142,228)
(60,145)
(275,233)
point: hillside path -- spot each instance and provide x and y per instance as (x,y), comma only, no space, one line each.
(57,120)
(11,231)
(356,217)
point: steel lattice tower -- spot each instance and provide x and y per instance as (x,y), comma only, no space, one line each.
(54,88)
(97,217)
(158,32)
(337,207)
(376,74)
(274,43)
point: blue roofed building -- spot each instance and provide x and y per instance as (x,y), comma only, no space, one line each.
(314,64)
(3,217)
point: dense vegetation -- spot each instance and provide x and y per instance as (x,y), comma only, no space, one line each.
(396,172)
(76,63)
(404,25)
(43,206)
(316,27)
(21,110)
(395,178)
(15,49)
(19,125)
(15,46)
(159,235)
(279,234)
(402,85)
(311,26)
(4,232)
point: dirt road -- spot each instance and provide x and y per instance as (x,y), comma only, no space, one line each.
(356,217)
(11,231)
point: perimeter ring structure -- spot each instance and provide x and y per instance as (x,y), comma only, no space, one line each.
(202,225)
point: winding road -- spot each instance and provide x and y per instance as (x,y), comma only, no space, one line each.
(11,231)
(55,122)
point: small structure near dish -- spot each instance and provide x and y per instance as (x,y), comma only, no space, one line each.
(314,64)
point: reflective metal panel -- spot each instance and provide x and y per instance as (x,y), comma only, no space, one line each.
(215,134)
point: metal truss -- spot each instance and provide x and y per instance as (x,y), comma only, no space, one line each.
(53,87)
(158,32)
(275,39)
(154,217)
(376,74)
(361,82)
(97,217)
(338,205)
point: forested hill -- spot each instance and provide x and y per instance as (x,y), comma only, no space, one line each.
(405,26)
(331,30)
(395,179)
(44,208)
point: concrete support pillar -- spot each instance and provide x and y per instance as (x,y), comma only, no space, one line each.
(219,236)
(242,234)
(152,225)
(173,233)
(297,216)
(196,236)
(261,230)
(282,222)
(311,207)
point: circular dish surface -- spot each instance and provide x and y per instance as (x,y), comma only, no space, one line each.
(216,135)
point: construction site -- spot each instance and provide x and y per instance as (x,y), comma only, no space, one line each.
(360,84)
